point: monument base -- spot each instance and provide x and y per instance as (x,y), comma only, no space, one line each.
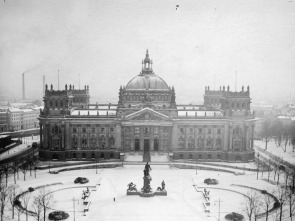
(160,193)
(131,193)
(149,194)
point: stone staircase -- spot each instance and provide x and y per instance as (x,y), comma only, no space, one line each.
(133,157)
(159,157)
(146,156)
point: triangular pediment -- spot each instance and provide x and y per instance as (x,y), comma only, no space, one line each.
(146,114)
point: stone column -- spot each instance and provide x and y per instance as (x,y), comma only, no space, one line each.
(62,136)
(214,137)
(118,141)
(245,137)
(41,134)
(252,136)
(230,137)
(152,138)
(174,138)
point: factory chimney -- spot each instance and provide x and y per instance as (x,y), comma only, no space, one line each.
(24,96)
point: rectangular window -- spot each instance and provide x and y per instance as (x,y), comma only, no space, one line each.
(156,130)
(112,130)
(200,130)
(137,130)
(102,130)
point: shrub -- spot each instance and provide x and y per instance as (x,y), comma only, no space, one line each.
(263,192)
(58,215)
(31,189)
(81,180)
(234,217)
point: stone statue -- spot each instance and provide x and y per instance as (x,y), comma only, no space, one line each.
(163,185)
(131,186)
(147,169)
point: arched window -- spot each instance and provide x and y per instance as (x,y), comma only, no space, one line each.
(102,141)
(200,142)
(56,103)
(83,155)
(84,141)
(92,141)
(74,155)
(181,142)
(190,142)
(92,155)
(112,141)
(74,141)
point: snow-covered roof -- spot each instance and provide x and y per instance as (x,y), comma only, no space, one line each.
(92,112)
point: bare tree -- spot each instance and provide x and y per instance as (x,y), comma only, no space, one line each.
(7,171)
(277,132)
(12,192)
(45,199)
(291,201)
(34,164)
(37,206)
(14,169)
(267,202)
(266,131)
(24,168)
(252,204)
(3,199)
(281,196)
(26,202)
(286,136)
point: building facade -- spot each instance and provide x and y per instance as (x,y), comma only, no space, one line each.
(146,120)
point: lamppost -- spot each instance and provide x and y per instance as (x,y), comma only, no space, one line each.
(268,170)
(49,167)
(258,165)
(96,166)
(244,168)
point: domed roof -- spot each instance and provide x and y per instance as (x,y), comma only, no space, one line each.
(147,81)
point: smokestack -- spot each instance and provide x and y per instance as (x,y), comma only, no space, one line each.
(24,96)
(43,85)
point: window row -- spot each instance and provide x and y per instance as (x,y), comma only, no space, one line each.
(56,103)
(93,142)
(93,130)
(200,142)
(153,97)
(199,130)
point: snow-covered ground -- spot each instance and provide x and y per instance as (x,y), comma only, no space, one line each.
(182,203)
(289,155)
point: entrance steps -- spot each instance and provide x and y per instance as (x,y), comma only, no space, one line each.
(159,157)
(141,157)
(133,157)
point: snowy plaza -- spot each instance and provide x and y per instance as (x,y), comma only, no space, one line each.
(109,200)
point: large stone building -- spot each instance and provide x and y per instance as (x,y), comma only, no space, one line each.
(146,121)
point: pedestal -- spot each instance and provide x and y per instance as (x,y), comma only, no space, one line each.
(146,190)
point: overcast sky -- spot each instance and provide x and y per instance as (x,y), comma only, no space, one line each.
(105,41)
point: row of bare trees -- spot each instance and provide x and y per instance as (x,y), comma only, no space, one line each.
(23,166)
(277,203)
(283,134)
(37,205)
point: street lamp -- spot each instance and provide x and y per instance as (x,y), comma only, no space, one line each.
(244,168)
(96,166)
(258,165)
